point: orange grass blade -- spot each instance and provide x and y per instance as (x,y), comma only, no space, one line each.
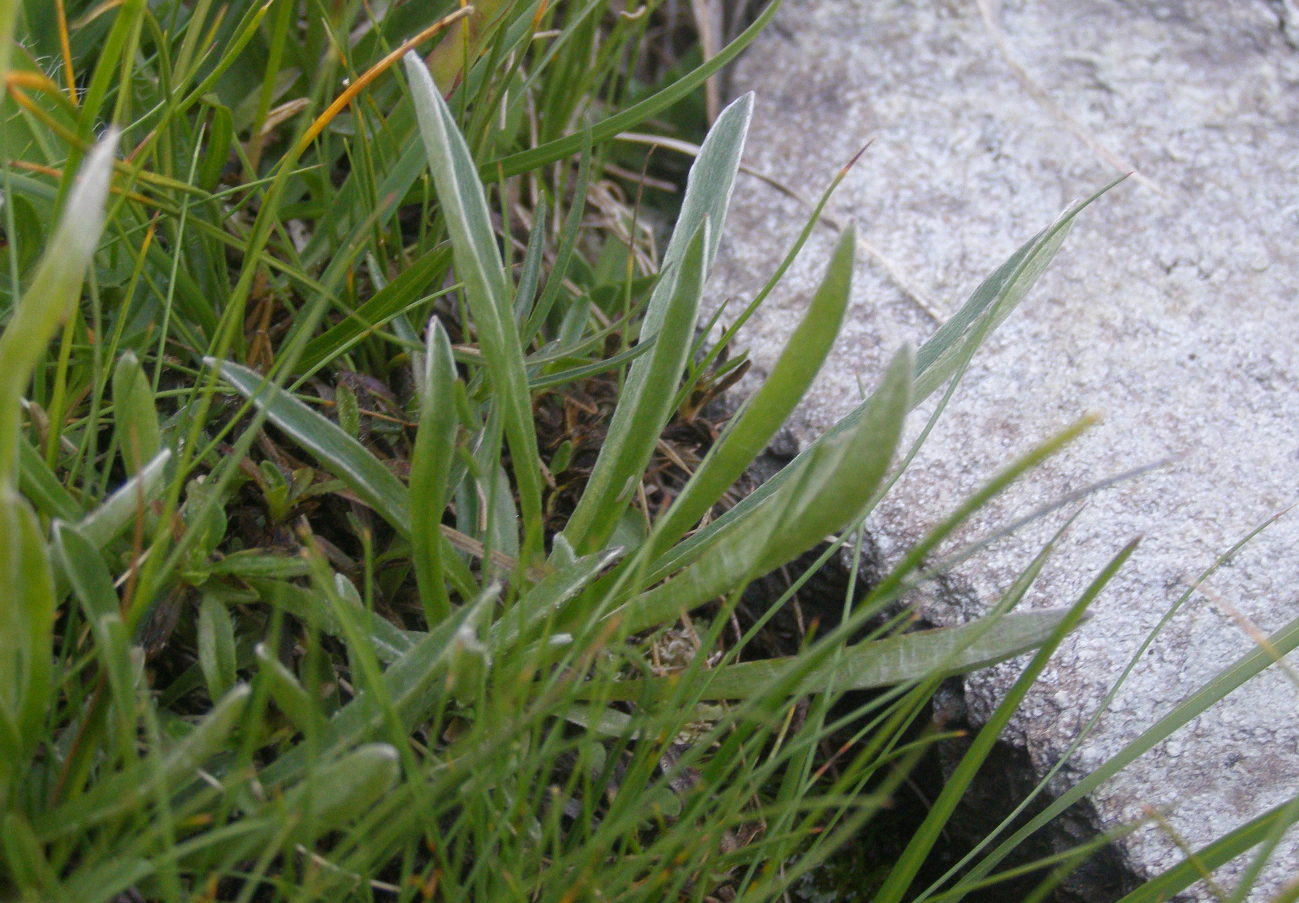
(349,93)
(65,45)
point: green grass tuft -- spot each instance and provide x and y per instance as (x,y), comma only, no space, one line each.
(352,540)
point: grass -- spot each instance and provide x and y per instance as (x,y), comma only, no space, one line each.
(349,551)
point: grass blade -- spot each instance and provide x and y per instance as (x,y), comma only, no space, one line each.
(216,647)
(544,598)
(8,12)
(762,415)
(413,685)
(336,793)
(430,471)
(922,841)
(388,641)
(1085,731)
(630,438)
(386,303)
(545,154)
(866,666)
(28,867)
(530,271)
(24,565)
(1228,679)
(828,490)
(105,523)
(136,414)
(26,648)
(289,694)
(936,359)
(643,408)
(572,229)
(1221,851)
(346,458)
(993,301)
(487,289)
(707,196)
(39,484)
(92,587)
(172,770)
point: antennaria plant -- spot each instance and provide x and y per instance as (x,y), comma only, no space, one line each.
(348,550)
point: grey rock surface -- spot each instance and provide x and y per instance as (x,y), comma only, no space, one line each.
(1173,310)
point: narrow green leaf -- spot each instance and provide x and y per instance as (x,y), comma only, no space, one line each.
(105,880)
(603,365)
(865,666)
(29,870)
(181,763)
(53,292)
(544,599)
(1169,884)
(92,587)
(601,720)
(92,584)
(827,491)
(217,148)
(487,290)
(545,154)
(288,692)
(568,238)
(346,458)
(991,302)
(12,759)
(254,563)
(348,410)
(216,647)
(107,521)
(129,790)
(8,13)
(922,841)
(412,283)
(643,409)
(762,415)
(336,793)
(1084,732)
(39,484)
(430,471)
(26,646)
(703,211)
(530,272)
(50,297)
(778,274)
(413,684)
(205,519)
(135,418)
(388,640)
(1224,682)
(1248,880)
(501,533)
(345,603)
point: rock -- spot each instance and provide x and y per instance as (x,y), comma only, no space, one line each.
(1172,309)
